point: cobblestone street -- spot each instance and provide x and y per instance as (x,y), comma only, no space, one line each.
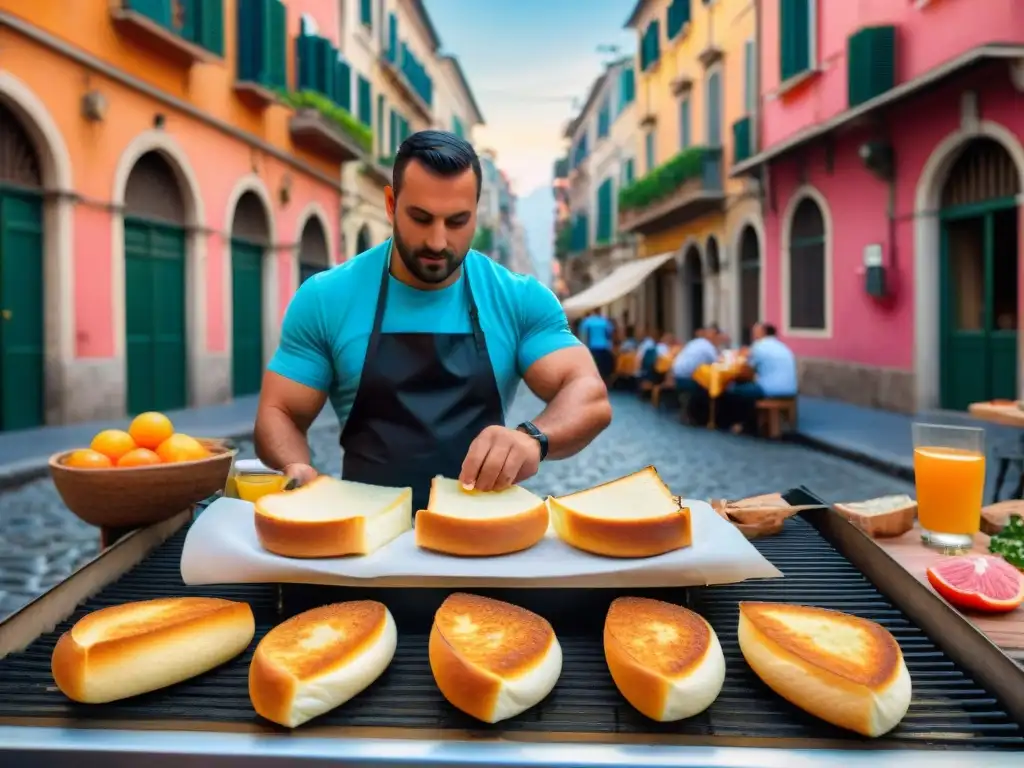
(41,543)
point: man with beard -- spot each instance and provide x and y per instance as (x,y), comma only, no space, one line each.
(421,354)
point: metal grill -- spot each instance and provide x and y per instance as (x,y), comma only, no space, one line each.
(949,709)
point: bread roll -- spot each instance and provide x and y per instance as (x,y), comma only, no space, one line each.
(881,517)
(634,516)
(491,659)
(125,650)
(665,660)
(844,669)
(332,518)
(318,660)
(480,523)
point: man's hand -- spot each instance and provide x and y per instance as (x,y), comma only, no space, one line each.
(303,473)
(498,458)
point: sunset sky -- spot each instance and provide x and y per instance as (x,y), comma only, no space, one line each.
(526,60)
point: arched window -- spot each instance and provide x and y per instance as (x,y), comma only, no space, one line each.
(807,268)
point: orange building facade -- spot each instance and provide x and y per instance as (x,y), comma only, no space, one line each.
(162,189)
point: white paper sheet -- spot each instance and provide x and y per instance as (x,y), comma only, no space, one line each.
(222,548)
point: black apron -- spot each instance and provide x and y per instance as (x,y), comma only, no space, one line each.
(422,400)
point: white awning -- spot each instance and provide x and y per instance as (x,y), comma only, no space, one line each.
(623,280)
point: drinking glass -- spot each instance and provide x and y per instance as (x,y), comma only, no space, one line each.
(255,487)
(949,472)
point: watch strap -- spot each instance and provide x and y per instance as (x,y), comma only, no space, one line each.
(531,429)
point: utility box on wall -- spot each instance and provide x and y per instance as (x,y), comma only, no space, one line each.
(874,271)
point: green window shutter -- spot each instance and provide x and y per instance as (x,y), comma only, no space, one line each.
(343,85)
(250,47)
(365,102)
(627,87)
(392,51)
(210,32)
(794,37)
(326,64)
(393,133)
(380,126)
(366,12)
(261,56)
(305,54)
(604,211)
(457,128)
(157,10)
(277,44)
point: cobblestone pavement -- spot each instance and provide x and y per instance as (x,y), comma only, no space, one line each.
(41,543)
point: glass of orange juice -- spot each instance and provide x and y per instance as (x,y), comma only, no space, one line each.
(949,472)
(253,487)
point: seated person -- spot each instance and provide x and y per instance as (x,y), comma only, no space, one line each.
(661,349)
(643,351)
(775,376)
(628,343)
(700,350)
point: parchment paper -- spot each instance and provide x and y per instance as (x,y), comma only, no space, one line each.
(222,548)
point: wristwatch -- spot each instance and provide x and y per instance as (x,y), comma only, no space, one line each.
(531,429)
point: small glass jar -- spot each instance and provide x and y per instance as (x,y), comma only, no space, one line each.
(252,470)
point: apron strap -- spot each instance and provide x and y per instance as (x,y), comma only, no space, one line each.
(474,314)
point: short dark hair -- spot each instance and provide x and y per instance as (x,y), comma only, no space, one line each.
(441,152)
(768,328)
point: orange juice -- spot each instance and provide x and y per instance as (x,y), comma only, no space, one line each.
(253,487)
(950,486)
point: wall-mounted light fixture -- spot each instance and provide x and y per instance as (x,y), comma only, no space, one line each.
(94,106)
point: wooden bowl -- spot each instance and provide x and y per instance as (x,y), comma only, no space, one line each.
(133,497)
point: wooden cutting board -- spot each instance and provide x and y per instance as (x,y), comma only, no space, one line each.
(1006,630)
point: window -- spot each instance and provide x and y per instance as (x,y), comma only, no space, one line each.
(685,138)
(677,18)
(650,46)
(605,211)
(366,13)
(457,127)
(261,50)
(797,32)
(604,118)
(365,97)
(649,150)
(749,78)
(628,172)
(321,69)
(381,138)
(713,107)
(399,130)
(627,87)
(807,276)
(198,21)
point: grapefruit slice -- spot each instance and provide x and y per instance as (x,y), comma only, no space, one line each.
(978,582)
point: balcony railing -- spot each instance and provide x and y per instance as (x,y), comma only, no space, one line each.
(186,31)
(687,186)
(321,126)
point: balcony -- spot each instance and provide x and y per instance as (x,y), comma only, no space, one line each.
(321,126)
(742,140)
(184,31)
(407,74)
(686,187)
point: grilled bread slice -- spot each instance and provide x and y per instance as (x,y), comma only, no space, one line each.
(665,660)
(319,659)
(126,650)
(480,523)
(634,516)
(844,669)
(883,516)
(332,518)
(491,659)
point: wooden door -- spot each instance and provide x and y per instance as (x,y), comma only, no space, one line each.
(750,283)
(979,305)
(22,338)
(247,317)
(155,326)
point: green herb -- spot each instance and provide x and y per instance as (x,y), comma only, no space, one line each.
(1009,542)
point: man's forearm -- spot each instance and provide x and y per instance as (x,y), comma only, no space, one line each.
(279,442)
(575,416)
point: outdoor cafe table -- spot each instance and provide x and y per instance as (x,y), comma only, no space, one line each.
(716,377)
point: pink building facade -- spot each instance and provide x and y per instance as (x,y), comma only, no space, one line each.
(888,144)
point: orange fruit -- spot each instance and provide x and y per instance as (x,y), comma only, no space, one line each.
(179,447)
(140,457)
(86,458)
(150,429)
(113,443)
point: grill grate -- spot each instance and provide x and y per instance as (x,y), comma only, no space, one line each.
(949,709)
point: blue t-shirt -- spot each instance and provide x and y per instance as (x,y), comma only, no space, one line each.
(774,367)
(597,332)
(327,325)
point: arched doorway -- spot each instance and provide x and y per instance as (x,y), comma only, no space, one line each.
(712,289)
(980,247)
(22,336)
(250,238)
(363,240)
(750,282)
(313,253)
(693,285)
(155,287)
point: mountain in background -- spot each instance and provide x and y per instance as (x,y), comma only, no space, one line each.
(536,212)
